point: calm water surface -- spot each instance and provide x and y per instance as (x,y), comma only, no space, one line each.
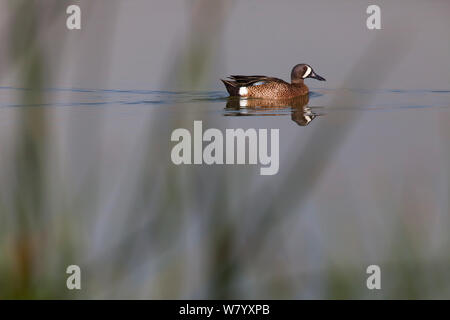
(319,99)
(360,170)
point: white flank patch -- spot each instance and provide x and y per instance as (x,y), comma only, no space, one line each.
(243,102)
(307,73)
(243,91)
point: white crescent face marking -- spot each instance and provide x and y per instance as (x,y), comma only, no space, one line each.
(243,91)
(307,73)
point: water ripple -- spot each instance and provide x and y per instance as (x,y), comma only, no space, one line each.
(387,99)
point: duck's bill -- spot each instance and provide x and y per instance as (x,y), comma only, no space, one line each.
(316,76)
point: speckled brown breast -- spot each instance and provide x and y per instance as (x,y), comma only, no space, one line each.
(277,90)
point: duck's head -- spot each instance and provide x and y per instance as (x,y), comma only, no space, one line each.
(302,71)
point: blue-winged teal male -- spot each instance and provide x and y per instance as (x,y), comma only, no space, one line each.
(271,88)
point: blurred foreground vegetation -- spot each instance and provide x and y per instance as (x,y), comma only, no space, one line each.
(154,230)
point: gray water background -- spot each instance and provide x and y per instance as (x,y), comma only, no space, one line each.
(85,145)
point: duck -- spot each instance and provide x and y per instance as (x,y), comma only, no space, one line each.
(269,87)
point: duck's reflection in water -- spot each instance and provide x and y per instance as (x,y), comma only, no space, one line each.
(297,107)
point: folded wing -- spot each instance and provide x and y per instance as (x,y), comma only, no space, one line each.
(247,81)
(233,83)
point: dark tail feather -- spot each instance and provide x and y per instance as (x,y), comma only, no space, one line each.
(232,89)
